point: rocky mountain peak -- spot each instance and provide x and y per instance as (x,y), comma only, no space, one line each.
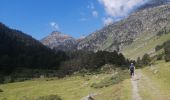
(59,41)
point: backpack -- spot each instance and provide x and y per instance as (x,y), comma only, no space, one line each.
(131,67)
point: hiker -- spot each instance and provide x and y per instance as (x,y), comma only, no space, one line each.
(132,69)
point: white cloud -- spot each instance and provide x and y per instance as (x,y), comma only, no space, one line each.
(120,8)
(107,21)
(91,6)
(94,13)
(54,25)
(93,9)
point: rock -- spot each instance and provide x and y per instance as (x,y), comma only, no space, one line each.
(155,71)
(88,98)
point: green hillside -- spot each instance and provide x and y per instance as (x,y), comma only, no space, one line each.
(146,43)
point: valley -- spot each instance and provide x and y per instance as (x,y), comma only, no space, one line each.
(150,84)
(96,67)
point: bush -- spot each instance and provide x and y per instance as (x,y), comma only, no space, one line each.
(1,79)
(49,97)
(139,62)
(159,56)
(1,90)
(158,47)
(167,52)
(108,68)
(146,59)
(167,57)
(108,81)
(103,83)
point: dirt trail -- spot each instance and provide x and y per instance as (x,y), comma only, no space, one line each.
(134,82)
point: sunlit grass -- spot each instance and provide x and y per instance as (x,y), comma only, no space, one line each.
(143,45)
(158,74)
(69,88)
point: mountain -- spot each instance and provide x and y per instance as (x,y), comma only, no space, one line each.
(59,41)
(153,3)
(117,36)
(19,50)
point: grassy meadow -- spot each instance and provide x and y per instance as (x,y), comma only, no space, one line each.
(69,88)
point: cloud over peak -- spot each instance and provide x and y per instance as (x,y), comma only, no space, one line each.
(54,25)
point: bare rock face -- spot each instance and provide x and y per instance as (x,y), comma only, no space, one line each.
(120,34)
(59,41)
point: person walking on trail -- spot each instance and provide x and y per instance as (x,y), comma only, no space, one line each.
(132,70)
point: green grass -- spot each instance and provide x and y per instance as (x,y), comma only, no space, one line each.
(159,75)
(144,44)
(69,88)
(162,77)
(111,80)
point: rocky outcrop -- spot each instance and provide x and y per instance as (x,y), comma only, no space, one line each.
(57,40)
(120,34)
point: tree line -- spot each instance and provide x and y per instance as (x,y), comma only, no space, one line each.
(92,61)
(20,51)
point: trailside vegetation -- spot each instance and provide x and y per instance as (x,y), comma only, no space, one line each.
(92,61)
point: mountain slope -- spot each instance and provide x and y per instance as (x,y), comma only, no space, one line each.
(20,50)
(144,45)
(149,21)
(57,40)
(153,3)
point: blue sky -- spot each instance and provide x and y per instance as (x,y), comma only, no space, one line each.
(39,18)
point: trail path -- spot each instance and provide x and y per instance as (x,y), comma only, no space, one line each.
(135,93)
(149,89)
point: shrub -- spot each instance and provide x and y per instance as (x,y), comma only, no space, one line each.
(108,81)
(159,56)
(146,59)
(108,68)
(158,47)
(1,90)
(4,99)
(139,62)
(1,78)
(103,83)
(167,52)
(49,97)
